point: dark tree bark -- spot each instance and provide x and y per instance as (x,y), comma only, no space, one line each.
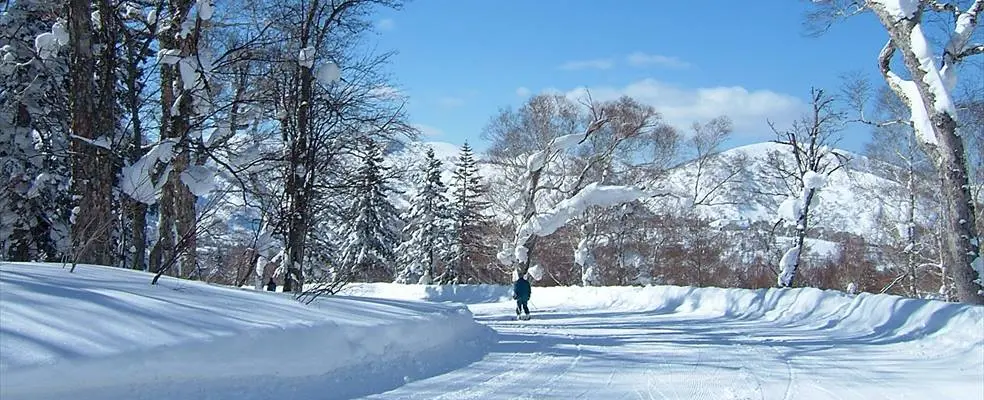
(92,164)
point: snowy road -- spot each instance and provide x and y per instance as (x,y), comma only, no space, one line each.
(657,355)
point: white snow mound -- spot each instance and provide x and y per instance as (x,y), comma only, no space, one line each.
(106,333)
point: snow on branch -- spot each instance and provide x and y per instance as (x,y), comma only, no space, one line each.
(537,160)
(305,57)
(205,9)
(568,209)
(138,179)
(898,9)
(908,92)
(48,43)
(959,47)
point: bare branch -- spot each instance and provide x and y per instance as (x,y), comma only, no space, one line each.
(943,7)
(971,51)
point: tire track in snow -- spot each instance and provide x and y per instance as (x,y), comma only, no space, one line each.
(790,372)
(555,377)
(534,366)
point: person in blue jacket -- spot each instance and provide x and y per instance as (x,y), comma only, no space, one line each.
(521,293)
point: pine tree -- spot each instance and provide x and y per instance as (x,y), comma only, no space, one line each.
(427,233)
(372,233)
(469,250)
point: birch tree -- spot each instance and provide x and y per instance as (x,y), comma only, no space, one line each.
(931,78)
(809,142)
(557,187)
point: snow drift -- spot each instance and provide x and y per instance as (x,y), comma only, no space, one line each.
(106,333)
(881,317)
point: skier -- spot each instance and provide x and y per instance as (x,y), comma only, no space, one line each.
(521,293)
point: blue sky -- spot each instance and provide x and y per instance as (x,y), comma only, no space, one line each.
(460,61)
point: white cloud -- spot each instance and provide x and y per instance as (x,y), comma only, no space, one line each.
(386,24)
(523,91)
(680,107)
(599,63)
(450,102)
(428,131)
(386,92)
(640,59)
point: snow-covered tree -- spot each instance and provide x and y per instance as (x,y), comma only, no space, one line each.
(182,85)
(932,76)
(321,92)
(911,237)
(137,29)
(470,249)
(427,234)
(372,232)
(803,171)
(35,205)
(569,193)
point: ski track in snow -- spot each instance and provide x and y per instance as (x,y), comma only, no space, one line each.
(677,355)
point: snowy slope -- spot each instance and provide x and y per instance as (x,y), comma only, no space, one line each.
(847,203)
(668,342)
(106,333)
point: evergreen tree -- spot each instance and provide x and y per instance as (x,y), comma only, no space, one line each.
(372,232)
(469,251)
(427,233)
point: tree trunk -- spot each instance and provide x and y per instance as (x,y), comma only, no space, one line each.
(22,238)
(176,231)
(92,166)
(912,263)
(801,227)
(298,187)
(137,210)
(961,231)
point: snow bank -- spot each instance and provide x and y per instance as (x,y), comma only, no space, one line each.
(880,315)
(463,294)
(106,333)
(875,318)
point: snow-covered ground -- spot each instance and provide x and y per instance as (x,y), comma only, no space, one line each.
(687,343)
(105,333)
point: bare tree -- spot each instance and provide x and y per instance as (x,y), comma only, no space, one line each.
(809,141)
(176,224)
(559,170)
(317,113)
(910,241)
(713,172)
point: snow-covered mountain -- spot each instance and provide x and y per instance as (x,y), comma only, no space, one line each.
(847,203)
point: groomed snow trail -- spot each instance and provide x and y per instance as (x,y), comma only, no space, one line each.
(876,347)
